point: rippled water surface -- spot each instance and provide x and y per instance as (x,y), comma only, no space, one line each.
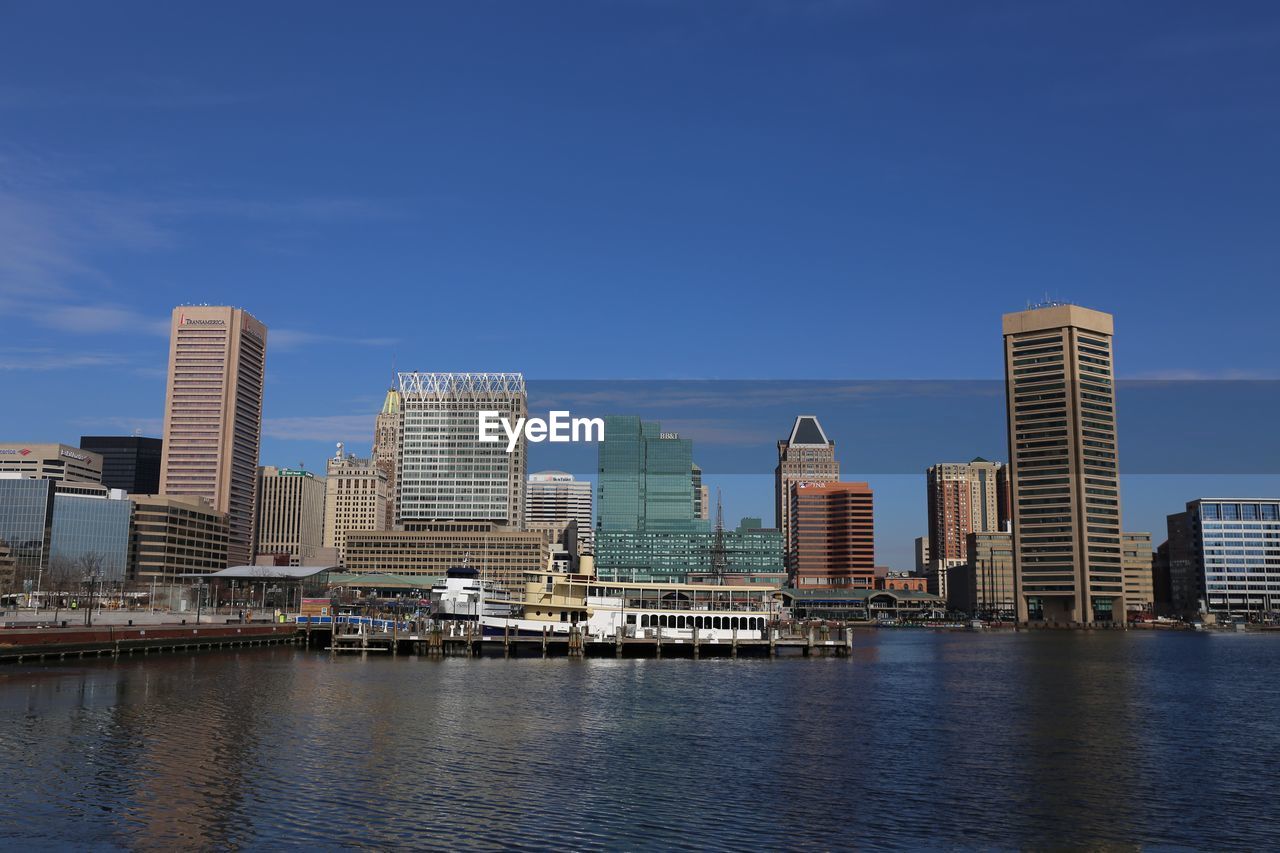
(920,740)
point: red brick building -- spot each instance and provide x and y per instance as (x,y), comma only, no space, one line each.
(832,542)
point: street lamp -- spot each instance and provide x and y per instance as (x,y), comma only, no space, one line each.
(199,600)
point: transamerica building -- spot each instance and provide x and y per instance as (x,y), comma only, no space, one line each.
(213,415)
(444,470)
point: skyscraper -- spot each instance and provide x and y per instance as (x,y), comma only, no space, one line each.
(386,449)
(213,415)
(832,535)
(290,515)
(646,477)
(555,498)
(805,456)
(645,525)
(1064,474)
(355,498)
(963,498)
(445,471)
(129,462)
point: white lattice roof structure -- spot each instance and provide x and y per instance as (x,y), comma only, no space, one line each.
(440,385)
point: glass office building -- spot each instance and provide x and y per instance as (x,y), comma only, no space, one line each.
(91,533)
(646,529)
(1236,549)
(657,556)
(26,518)
(645,478)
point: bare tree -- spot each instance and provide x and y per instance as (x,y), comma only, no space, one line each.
(61,580)
(89,567)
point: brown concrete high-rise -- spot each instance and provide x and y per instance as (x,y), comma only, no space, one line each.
(213,415)
(832,536)
(1064,474)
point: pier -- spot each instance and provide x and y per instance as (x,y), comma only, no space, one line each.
(24,645)
(463,639)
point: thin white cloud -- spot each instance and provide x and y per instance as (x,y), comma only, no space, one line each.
(100,319)
(46,360)
(353,428)
(290,339)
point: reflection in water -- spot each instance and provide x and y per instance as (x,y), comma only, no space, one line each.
(920,739)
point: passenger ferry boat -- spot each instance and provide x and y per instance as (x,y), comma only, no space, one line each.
(464,596)
(557,603)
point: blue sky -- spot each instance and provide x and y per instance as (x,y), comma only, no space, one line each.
(817,189)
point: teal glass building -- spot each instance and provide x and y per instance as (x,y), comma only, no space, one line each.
(646,528)
(26,518)
(91,531)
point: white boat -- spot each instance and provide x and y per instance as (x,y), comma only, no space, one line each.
(464,596)
(557,603)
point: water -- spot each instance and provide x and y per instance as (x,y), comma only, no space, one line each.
(922,739)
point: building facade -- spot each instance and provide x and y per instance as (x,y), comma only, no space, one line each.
(26,528)
(921,548)
(355,498)
(804,456)
(1227,554)
(1064,474)
(386,449)
(213,415)
(291,503)
(129,462)
(645,478)
(91,536)
(983,585)
(1180,567)
(501,554)
(674,556)
(50,462)
(1139,577)
(963,498)
(445,471)
(832,535)
(176,535)
(555,498)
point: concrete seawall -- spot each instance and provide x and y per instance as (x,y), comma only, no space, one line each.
(29,644)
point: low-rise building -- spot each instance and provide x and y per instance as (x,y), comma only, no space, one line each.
(50,462)
(861,605)
(26,525)
(90,537)
(175,535)
(677,556)
(501,554)
(908,581)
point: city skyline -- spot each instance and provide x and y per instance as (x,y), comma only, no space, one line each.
(821,174)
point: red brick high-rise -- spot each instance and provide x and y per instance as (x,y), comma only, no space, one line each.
(832,541)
